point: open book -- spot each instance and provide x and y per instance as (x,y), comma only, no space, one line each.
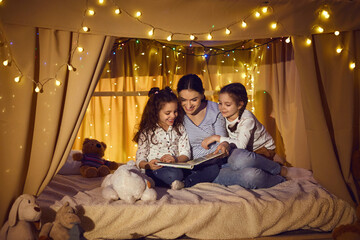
(192,163)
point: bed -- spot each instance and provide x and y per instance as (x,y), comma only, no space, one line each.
(204,211)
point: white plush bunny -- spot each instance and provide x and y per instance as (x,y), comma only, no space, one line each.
(20,225)
(128,183)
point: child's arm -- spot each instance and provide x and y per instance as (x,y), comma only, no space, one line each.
(150,165)
(142,154)
(243,132)
(207,141)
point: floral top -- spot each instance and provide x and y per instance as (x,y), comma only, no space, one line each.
(167,142)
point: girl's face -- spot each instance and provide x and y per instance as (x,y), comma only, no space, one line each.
(228,107)
(190,100)
(167,115)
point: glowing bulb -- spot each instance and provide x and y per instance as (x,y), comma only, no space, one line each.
(339,49)
(209,37)
(57,82)
(325,14)
(70,68)
(319,29)
(101,1)
(308,41)
(138,14)
(6,62)
(86,29)
(117,11)
(17,79)
(243,24)
(257,14)
(227,31)
(337,33)
(169,38)
(192,37)
(273,25)
(287,40)
(151,32)
(352,65)
(80,49)
(91,12)
(37,89)
(264,9)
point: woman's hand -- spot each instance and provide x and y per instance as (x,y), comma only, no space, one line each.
(207,141)
(223,147)
(168,158)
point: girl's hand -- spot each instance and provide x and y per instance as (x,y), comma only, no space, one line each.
(168,158)
(224,148)
(153,164)
(207,141)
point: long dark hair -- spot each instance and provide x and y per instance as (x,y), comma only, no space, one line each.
(238,93)
(191,81)
(150,116)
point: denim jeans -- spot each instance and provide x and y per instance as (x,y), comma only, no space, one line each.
(249,170)
(164,176)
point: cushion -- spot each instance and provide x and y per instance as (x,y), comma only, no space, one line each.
(71,167)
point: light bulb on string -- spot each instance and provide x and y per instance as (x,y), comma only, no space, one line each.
(169,38)
(6,62)
(57,82)
(273,25)
(339,49)
(264,9)
(209,37)
(38,89)
(17,79)
(80,49)
(243,24)
(325,14)
(337,33)
(257,14)
(288,40)
(308,41)
(71,67)
(192,37)
(91,12)
(352,65)
(138,14)
(101,1)
(117,11)
(319,29)
(85,29)
(227,31)
(151,32)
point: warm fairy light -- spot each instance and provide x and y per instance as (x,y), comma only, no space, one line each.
(57,82)
(273,25)
(138,14)
(6,62)
(287,40)
(80,49)
(319,29)
(325,14)
(227,31)
(192,37)
(91,12)
(352,65)
(337,33)
(243,24)
(257,14)
(117,11)
(339,49)
(264,9)
(85,29)
(209,37)
(151,32)
(169,38)
(308,41)
(17,79)
(37,89)
(101,1)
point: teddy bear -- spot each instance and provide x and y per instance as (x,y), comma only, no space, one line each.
(349,231)
(66,225)
(24,219)
(128,183)
(92,162)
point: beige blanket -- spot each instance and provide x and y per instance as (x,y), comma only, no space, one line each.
(206,210)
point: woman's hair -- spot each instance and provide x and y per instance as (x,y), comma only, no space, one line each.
(238,93)
(150,117)
(191,81)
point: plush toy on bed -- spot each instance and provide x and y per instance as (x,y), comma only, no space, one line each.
(349,231)
(66,226)
(24,218)
(92,162)
(128,183)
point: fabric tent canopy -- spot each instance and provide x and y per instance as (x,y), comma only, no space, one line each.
(36,137)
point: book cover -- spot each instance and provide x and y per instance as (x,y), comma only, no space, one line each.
(191,163)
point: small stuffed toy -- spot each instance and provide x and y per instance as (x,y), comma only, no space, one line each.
(23,218)
(349,231)
(92,162)
(66,226)
(128,183)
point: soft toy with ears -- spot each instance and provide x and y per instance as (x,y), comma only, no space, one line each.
(23,214)
(92,162)
(128,183)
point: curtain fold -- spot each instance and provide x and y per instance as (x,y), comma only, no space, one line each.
(38,129)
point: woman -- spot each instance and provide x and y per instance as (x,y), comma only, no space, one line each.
(203,119)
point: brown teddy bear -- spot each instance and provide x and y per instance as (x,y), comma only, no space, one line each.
(92,162)
(349,231)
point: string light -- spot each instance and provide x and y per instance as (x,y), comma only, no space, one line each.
(337,33)
(273,25)
(352,65)
(192,37)
(169,38)
(57,82)
(91,12)
(227,31)
(209,37)
(85,29)
(6,62)
(257,14)
(101,1)
(287,40)
(151,32)
(17,79)
(325,14)
(319,29)
(243,24)
(117,11)
(80,49)
(308,41)
(137,14)
(264,9)
(339,49)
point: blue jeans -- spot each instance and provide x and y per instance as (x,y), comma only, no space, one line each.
(164,176)
(249,170)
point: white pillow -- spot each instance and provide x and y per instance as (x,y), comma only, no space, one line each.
(71,167)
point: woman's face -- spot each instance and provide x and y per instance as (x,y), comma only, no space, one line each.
(190,100)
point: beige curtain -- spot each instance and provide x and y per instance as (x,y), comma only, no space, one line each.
(330,98)
(38,129)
